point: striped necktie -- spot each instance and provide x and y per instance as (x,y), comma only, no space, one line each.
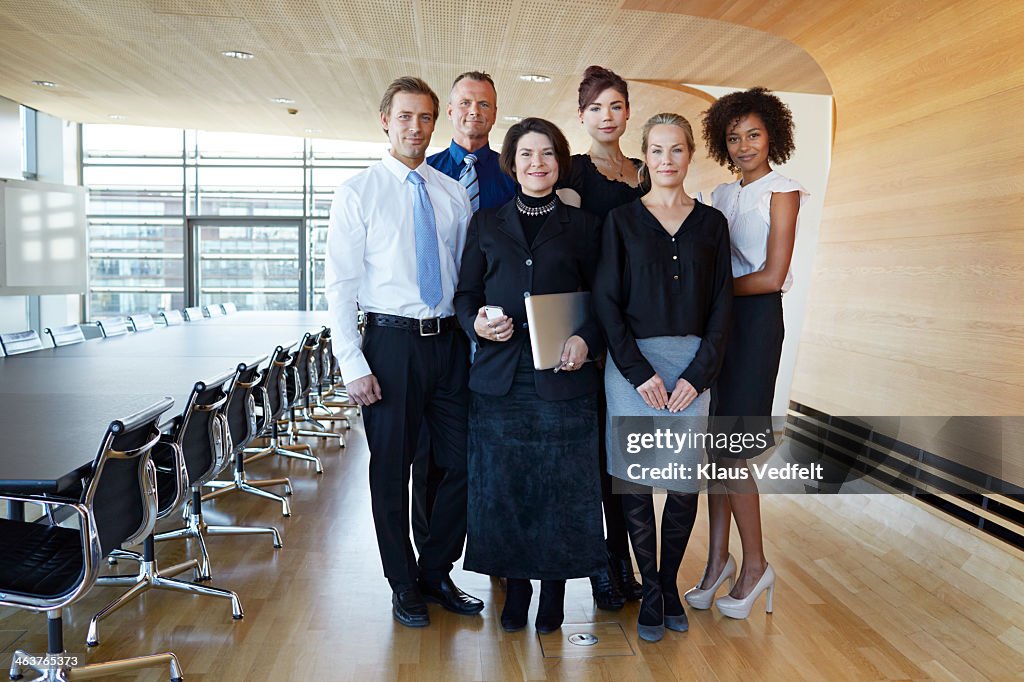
(428,261)
(468,179)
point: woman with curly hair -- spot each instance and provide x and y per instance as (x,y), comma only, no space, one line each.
(748,131)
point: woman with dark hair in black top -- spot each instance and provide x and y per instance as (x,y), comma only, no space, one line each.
(534,493)
(663,295)
(605,178)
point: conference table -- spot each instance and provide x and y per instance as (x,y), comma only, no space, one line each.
(56,403)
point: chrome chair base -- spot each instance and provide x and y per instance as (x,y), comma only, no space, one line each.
(58,672)
(197,528)
(150,577)
(316,430)
(244,485)
(331,415)
(296,451)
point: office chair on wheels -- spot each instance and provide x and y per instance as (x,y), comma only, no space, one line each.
(179,459)
(47,567)
(272,409)
(240,413)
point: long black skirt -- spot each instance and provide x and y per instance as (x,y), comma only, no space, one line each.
(743,395)
(534,498)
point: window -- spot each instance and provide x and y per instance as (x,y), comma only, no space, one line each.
(256,208)
(29,151)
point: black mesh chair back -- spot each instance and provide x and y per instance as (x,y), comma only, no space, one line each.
(122,489)
(240,410)
(325,359)
(112,326)
(273,387)
(67,335)
(303,371)
(171,318)
(193,314)
(202,437)
(141,322)
(20,342)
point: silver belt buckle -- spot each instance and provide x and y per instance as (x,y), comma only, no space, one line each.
(430,326)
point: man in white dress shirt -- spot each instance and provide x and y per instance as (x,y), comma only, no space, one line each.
(394,245)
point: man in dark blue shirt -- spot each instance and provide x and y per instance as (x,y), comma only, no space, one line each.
(472,109)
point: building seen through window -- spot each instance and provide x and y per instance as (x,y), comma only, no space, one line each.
(184,217)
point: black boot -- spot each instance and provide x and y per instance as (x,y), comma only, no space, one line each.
(640,522)
(606,592)
(517,605)
(629,588)
(677,520)
(551,611)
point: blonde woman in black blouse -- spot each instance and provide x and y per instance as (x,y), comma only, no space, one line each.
(663,294)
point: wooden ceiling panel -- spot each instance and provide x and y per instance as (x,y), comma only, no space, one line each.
(479,33)
(51,16)
(372,30)
(207,8)
(212,34)
(335,57)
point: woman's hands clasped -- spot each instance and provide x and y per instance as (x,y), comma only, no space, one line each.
(493,330)
(654,394)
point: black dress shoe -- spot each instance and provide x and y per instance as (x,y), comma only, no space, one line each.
(517,605)
(408,607)
(606,593)
(551,611)
(450,597)
(630,589)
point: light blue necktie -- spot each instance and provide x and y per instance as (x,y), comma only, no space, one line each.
(468,179)
(428,262)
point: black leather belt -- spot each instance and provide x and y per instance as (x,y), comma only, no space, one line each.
(430,326)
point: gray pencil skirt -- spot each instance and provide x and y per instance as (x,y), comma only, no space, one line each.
(669,355)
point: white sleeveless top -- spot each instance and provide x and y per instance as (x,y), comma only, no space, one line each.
(748,210)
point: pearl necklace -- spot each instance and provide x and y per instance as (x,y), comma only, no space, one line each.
(535,211)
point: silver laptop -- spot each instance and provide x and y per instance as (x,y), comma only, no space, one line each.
(553,318)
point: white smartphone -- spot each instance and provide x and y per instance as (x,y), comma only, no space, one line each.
(494,312)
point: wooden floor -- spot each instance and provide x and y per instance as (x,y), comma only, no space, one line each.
(870,587)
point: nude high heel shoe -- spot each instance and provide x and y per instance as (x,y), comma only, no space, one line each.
(740,608)
(701,599)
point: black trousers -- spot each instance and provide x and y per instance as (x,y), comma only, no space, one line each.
(423,381)
(426,477)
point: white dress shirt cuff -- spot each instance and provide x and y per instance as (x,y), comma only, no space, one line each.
(353,366)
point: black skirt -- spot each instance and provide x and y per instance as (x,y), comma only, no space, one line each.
(534,498)
(743,395)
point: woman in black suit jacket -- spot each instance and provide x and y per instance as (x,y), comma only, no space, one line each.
(534,493)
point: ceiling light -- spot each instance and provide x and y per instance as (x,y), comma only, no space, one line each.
(45,84)
(313,131)
(237,54)
(117,117)
(282,100)
(534,78)
(512,119)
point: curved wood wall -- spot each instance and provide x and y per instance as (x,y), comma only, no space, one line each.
(917,301)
